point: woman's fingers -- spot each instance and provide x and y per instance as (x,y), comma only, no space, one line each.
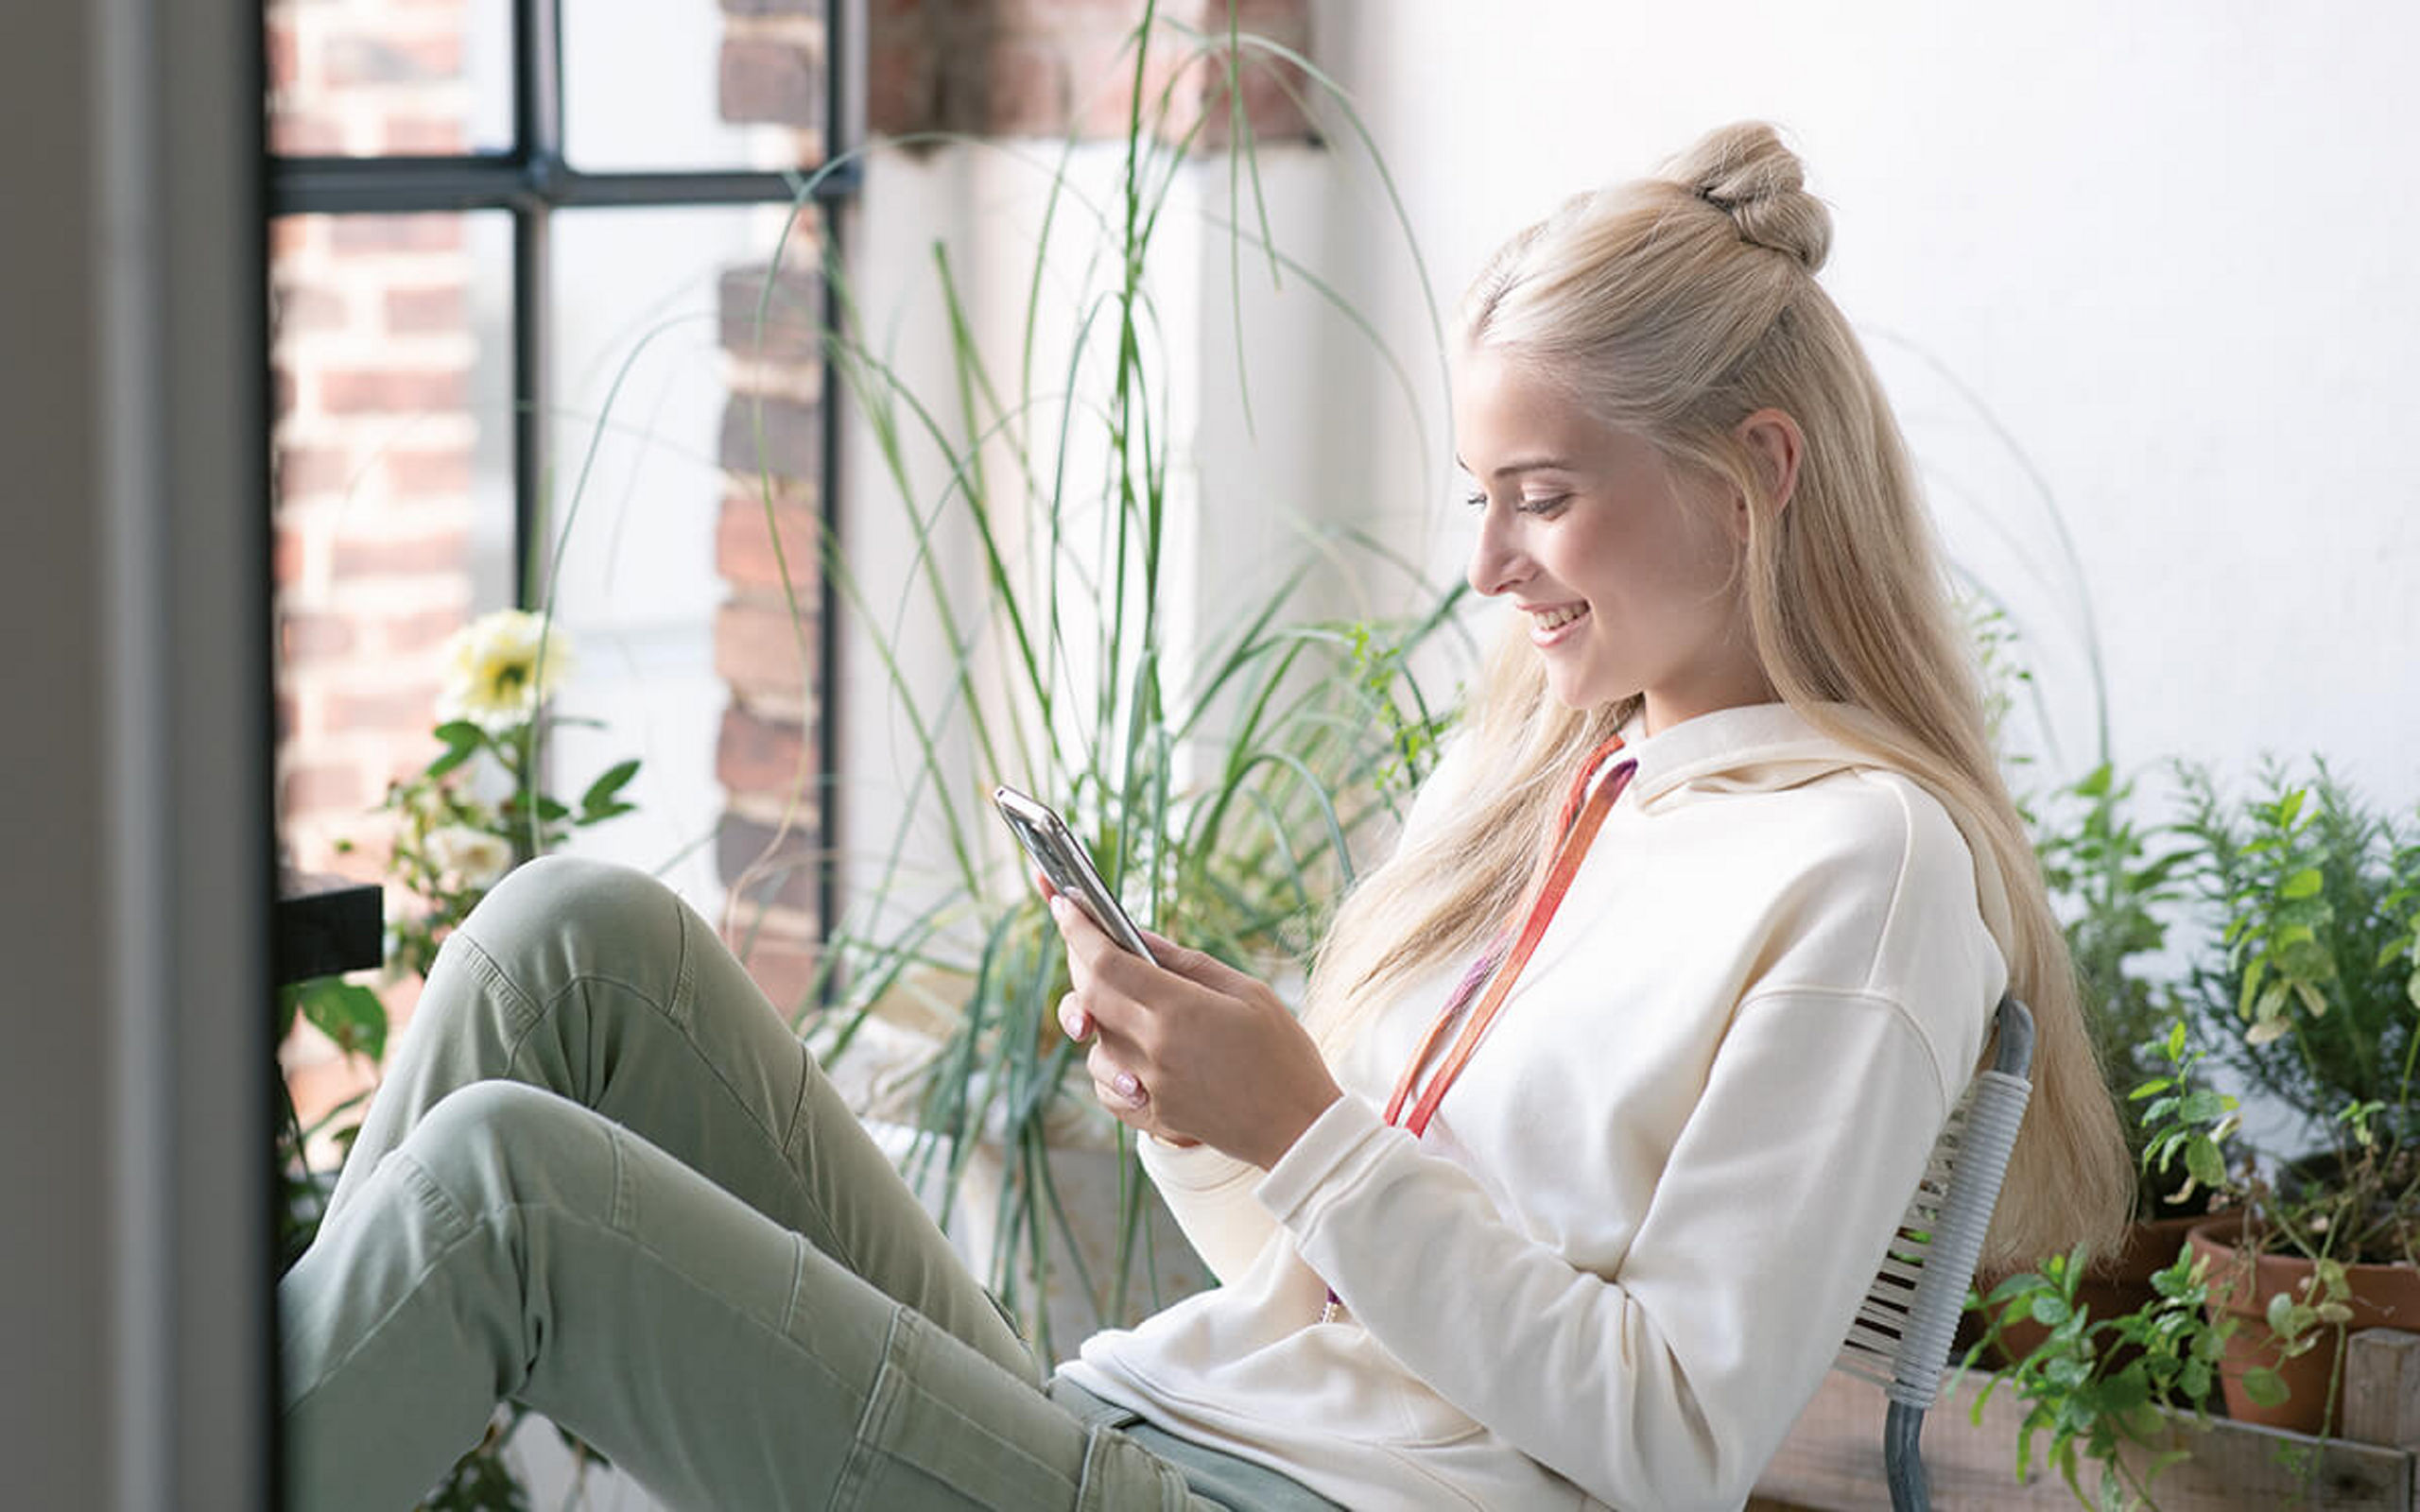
(1119,1089)
(1200,967)
(1094,960)
(1073,1019)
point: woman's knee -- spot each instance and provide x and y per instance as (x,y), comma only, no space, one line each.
(494,1145)
(598,895)
(557,918)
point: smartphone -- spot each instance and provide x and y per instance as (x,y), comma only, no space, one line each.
(1062,859)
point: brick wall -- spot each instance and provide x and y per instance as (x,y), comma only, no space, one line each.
(1054,68)
(765,637)
(373,439)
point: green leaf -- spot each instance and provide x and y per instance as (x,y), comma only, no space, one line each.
(349,1015)
(2286,1316)
(2303,884)
(462,742)
(2271,1001)
(2126,1392)
(611,782)
(2024,1281)
(2050,1310)
(2202,1106)
(2265,1386)
(2204,1163)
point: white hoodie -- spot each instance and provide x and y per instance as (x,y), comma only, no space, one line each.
(1626,1251)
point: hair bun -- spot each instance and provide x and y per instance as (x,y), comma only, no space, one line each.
(1744,171)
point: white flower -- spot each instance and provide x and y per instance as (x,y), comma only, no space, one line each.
(494,676)
(475,857)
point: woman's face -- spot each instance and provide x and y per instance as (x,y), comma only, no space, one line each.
(1627,570)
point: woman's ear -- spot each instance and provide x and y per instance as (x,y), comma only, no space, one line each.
(1775,445)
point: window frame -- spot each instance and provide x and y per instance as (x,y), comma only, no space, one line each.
(529,182)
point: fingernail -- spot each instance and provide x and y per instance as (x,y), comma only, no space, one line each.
(1073,1022)
(1128,1088)
(1059,907)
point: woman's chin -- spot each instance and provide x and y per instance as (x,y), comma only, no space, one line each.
(1567,686)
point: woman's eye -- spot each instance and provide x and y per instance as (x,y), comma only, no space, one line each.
(1476,499)
(1544,506)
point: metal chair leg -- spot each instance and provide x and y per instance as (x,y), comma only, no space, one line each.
(1903,1462)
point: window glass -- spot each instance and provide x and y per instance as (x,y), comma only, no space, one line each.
(654,388)
(366,79)
(725,87)
(393,512)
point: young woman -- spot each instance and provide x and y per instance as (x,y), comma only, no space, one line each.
(1611,1086)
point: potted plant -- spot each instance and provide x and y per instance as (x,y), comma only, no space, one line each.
(1223,765)
(2094,1383)
(2313,999)
(2117,881)
(2100,1374)
(2114,885)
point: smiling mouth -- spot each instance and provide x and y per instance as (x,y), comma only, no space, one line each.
(1547,621)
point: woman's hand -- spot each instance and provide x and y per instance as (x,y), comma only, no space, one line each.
(1190,1050)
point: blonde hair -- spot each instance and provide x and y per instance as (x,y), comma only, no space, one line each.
(1675,307)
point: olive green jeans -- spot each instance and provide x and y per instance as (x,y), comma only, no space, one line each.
(604,1178)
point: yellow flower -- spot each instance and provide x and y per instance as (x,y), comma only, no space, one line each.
(494,676)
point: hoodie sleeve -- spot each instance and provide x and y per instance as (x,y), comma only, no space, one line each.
(1670,1383)
(1210,1193)
(1211,1196)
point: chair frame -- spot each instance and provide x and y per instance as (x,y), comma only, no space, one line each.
(1908,1317)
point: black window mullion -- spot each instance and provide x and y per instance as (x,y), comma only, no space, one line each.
(530,181)
(532,236)
(843,182)
(407,185)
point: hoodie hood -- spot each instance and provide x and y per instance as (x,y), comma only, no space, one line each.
(1756,748)
(1769,746)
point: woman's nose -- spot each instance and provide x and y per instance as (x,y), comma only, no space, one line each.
(1497,563)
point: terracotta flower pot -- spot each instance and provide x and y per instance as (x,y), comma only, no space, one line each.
(2383,1297)
(2115,1287)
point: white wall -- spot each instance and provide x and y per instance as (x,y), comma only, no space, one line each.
(1243,494)
(2168,245)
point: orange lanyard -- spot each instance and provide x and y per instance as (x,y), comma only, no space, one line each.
(1578,826)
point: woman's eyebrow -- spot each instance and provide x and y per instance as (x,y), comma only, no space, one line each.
(1535,464)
